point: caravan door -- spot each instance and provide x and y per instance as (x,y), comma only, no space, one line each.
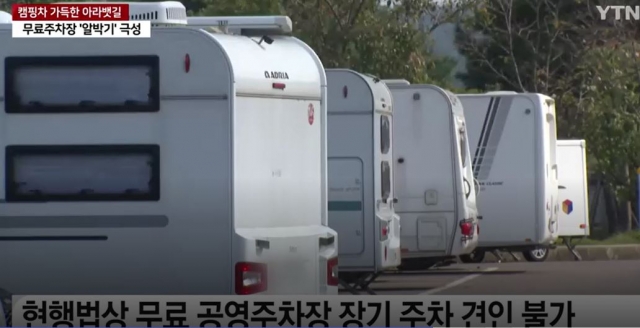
(573,219)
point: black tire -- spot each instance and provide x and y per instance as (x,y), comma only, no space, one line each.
(476,256)
(538,254)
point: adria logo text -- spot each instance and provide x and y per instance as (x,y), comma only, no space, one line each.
(619,12)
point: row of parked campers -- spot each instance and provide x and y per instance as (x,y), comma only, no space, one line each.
(209,160)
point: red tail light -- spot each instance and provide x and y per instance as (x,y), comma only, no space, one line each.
(332,272)
(251,278)
(280,86)
(384,230)
(466,228)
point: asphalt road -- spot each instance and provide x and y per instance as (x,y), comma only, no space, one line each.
(522,278)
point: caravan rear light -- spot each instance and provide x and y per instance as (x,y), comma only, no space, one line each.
(583,226)
(280,86)
(384,230)
(187,63)
(466,228)
(332,272)
(250,277)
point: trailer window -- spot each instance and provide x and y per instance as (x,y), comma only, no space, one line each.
(82,173)
(385,180)
(385,134)
(82,84)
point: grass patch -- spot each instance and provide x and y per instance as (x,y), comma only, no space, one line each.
(631,237)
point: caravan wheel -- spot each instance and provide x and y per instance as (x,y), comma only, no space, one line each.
(476,256)
(539,254)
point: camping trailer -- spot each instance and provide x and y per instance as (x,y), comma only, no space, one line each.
(573,217)
(208,176)
(361,196)
(433,180)
(513,139)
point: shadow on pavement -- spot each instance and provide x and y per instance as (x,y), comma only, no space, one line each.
(450,273)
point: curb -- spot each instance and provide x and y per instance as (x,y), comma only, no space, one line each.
(588,253)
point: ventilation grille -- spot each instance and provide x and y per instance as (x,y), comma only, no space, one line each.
(176,13)
(159,13)
(145,16)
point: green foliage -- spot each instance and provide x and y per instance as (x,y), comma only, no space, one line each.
(236,7)
(563,49)
(519,45)
(604,95)
(356,34)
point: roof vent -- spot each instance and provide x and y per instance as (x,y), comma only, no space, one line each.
(396,82)
(159,13)
(246,25)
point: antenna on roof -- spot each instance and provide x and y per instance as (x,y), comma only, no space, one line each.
(247,25)
(373,77)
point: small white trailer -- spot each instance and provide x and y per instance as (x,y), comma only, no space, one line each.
(190,162)
(433,179)
(361,195)
(513,139)
(573,218)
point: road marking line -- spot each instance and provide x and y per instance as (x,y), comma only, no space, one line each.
(458,282)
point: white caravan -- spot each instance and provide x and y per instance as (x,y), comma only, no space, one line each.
(433,177)
(513,139)
(190,162)
(361,196)
(573,218)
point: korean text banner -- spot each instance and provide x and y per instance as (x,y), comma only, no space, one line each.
(328,311)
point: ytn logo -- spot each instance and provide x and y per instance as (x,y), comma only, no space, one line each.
(630,12)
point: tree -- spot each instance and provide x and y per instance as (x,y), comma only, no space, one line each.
(359,34)
(604,95)
(520,45)
(563,49)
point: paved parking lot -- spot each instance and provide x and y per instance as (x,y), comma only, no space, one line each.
(521,278)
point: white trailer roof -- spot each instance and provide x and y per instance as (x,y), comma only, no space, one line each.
(5,17)
(273,24)
(377,90)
